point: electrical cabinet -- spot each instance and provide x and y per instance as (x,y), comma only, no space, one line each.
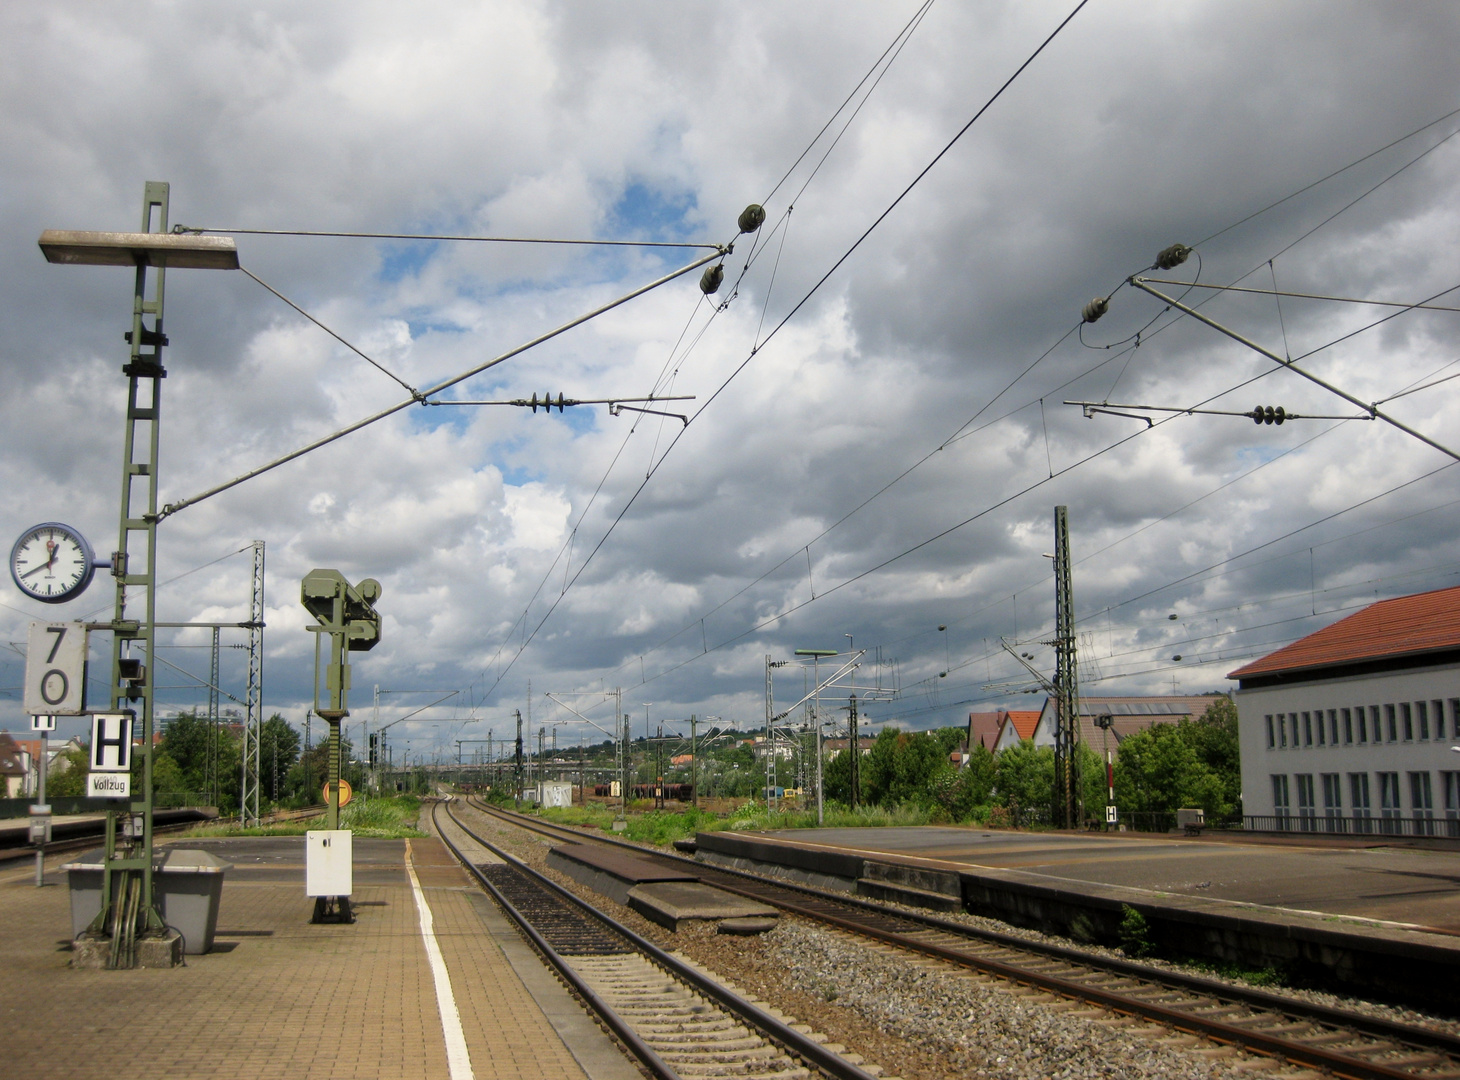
(329,864)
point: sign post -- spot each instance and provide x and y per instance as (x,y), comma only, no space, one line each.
(40,813)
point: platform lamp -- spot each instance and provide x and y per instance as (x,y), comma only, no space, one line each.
(127,879)
(816,655)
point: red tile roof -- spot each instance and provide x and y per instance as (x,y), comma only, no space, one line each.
(1404,626)
(1024,721)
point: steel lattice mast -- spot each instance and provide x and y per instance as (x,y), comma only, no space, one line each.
(1066,681)
(253,707)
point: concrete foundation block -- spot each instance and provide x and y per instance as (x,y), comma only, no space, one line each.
(90,952)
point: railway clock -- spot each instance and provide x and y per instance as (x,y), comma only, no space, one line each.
(52,563)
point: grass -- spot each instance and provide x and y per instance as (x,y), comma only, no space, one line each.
(391,818)
(663,827)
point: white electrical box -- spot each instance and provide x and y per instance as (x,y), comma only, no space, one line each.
(329,866)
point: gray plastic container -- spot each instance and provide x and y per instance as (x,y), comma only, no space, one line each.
(188,883)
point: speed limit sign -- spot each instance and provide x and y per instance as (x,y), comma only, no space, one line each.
(55,669)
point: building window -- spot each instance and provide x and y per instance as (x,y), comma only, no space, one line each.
(1437,710)
(1358,789)
(1332,727)
(1297,734)
(1332,801)
(1389,808)
(1307,729)
(1305,801)
(1455,717)
(1270,738)
(1422,714)
(1318,720)
(1391,723)
(1282,726)
(1378,736)
(1280,799)
(1348,727)
(1421,803)
(1406,720)
(1451,783)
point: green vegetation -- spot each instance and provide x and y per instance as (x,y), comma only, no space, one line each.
(1134,932)
(388,818)
(910,778)
(1192,763)
(663,827)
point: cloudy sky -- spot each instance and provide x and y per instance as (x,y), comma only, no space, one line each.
(876,444)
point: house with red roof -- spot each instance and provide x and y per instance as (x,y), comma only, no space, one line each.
(1350,728)
(1016,726)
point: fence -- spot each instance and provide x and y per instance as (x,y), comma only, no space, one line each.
(1353,826)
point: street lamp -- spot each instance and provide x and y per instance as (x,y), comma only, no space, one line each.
(158,250)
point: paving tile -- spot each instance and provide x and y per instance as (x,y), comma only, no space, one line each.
(277,997)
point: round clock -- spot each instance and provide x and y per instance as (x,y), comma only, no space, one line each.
(52,563)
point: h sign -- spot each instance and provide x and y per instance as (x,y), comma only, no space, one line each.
(55,669)
(111,742)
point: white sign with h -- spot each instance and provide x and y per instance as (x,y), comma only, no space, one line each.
(111,742)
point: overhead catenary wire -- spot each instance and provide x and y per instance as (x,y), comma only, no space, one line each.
(445,237)
(1177,318)
(815,288)
(415,394)
(172,508)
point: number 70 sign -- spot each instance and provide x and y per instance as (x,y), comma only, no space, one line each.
(55,669)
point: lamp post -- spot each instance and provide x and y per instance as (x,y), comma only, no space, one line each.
(128,903)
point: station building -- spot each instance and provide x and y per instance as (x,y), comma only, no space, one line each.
(1350,729)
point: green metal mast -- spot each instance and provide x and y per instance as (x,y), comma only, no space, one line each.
(127,901)
(1066,680)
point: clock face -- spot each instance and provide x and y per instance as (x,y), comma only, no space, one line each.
(52,563)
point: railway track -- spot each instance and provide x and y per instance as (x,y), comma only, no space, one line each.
(676,1019)
(1337,1041)
(88,841)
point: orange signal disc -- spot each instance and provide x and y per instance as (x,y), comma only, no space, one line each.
(346,793)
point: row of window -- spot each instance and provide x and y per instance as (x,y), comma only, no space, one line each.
(1408,721)
(1421,795)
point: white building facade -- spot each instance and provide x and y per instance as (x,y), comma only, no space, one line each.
(1350,728)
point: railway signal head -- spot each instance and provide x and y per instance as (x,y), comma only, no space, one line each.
(343,608)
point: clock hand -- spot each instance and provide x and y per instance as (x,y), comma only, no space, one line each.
(36,569)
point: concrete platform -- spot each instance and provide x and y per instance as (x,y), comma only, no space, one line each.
(279,997)
(1360,916)
(670,903)
(612,873)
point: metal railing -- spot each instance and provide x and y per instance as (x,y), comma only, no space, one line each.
(1388,823)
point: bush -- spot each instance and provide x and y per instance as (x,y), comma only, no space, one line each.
(1134,932)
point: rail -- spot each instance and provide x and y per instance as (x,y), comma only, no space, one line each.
(960,944)
(787,1037)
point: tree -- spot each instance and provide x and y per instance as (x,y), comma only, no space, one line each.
(1024,778)
(903,767)
(1160,770)
(70,784)
(278,750)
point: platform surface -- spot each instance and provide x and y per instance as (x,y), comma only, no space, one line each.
(279,997)
(622,865)
(1364,879)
